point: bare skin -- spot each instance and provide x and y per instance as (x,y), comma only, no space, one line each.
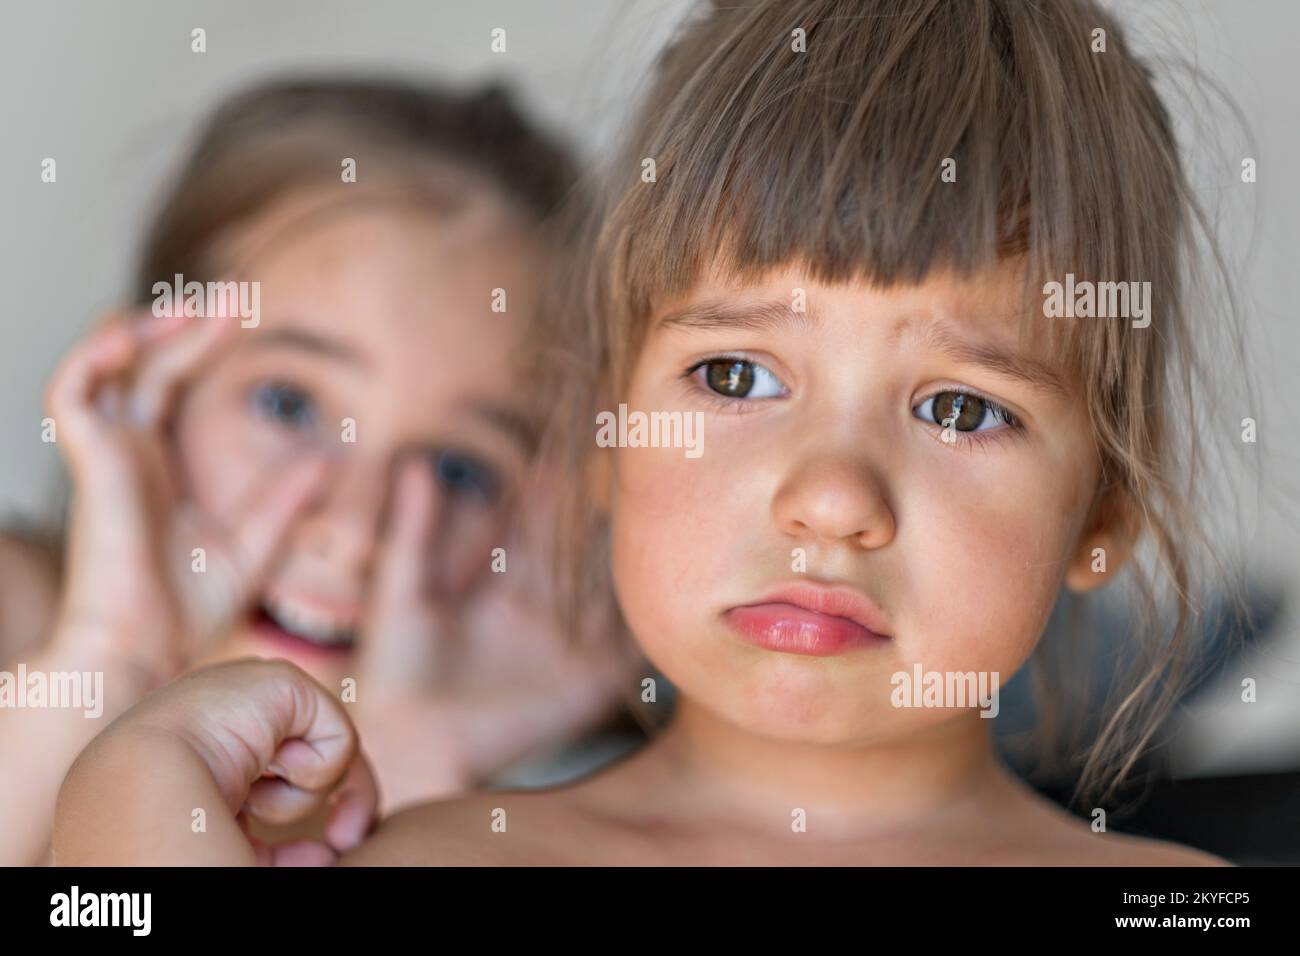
(213,739)
(661,807)
(29,593)
(779,752)
(373,548)
(833,450)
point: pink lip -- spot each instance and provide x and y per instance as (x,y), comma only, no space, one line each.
(340,611)
(809,619)
(298,650)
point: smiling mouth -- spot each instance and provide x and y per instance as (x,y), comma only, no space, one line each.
(290,621)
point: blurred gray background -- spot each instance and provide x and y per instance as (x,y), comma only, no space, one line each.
(112,91)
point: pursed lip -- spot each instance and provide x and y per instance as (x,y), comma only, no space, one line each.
(837,601)
(810,619)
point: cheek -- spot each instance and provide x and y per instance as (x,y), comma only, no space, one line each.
(664,510)
(987,569)
(222,450)
(698,528)
(689,539)
(464,553)
(211,445)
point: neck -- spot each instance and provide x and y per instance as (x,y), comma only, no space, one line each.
(863,787)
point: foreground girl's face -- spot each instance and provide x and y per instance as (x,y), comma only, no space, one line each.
(377,337)
(824,450)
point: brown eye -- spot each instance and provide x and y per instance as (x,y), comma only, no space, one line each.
(958,410)
(730,377)
(735,378)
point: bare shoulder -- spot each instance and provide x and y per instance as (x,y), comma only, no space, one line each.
(29,589)
(499,828)
(1046,834)
(1115,849)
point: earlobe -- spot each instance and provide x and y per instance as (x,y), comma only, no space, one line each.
(1092,565)
(1105,545)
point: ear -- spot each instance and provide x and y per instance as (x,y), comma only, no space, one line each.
(1106,543)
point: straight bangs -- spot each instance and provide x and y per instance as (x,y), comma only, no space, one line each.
(886,140)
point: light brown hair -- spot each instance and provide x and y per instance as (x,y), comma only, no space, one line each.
(415,144)
(438,146)
(830,159)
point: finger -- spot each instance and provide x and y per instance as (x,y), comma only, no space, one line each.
(407,627)
(295,795)
(172,362)
(277,802)
(356,802)
(238,557)
(88,383)
(304,779)
(302,852)
(263,715)
(298,853)
(271,509)
(261,851)
(409,529)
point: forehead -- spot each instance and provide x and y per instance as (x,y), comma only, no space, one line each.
(998,303)
(403,285)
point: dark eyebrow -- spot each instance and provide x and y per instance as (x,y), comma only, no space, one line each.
(515,425)
(750,316)
(1036,374)
(307,341)
(774,313)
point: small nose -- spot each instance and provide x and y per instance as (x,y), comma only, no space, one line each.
(344,527)
(834,498)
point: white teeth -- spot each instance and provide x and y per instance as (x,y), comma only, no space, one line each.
(309,623)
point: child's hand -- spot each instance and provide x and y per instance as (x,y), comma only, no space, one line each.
(132,590)
(253,739)
(450,692)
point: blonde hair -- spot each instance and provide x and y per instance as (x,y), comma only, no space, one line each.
(766,156)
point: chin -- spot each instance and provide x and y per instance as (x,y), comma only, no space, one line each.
(798,720)
(790,703)
(793,697)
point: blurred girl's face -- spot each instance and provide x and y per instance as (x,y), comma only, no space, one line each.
(376,338)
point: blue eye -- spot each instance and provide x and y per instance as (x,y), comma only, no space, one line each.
(285,404)
(738,378)
(462,474)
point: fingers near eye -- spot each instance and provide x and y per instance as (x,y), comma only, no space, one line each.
(415,508)
(173,360)
(101,358)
